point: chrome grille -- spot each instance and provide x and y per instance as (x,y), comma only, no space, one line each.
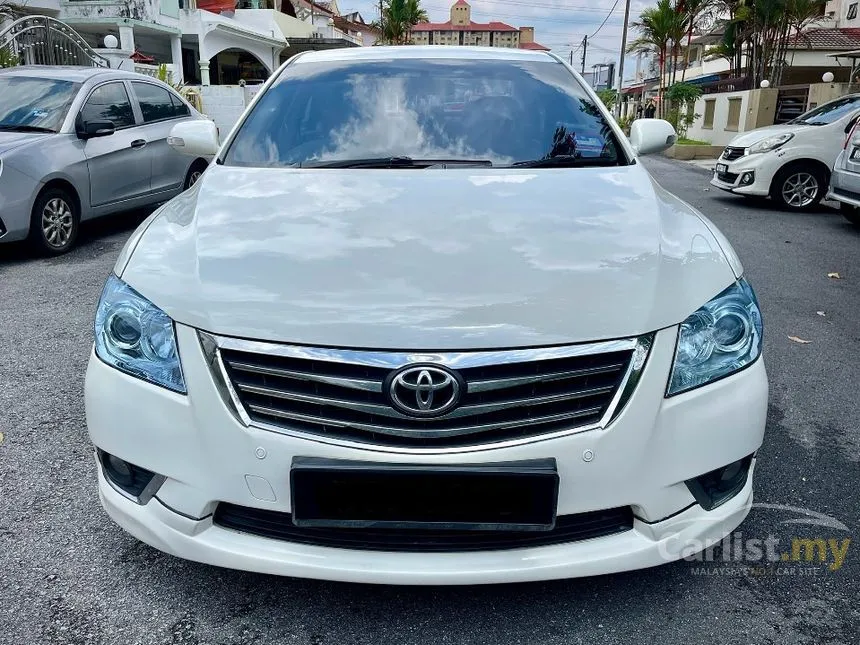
(508,394)
(731,153)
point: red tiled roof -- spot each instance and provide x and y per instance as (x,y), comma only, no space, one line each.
(472,26)
(347,25)
(461,2)
(535,46)
(828,39)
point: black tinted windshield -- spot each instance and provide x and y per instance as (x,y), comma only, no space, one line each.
(34,103)
(498,111)
(830,112)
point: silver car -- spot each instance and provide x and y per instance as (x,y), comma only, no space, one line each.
(845,178)
(80,142)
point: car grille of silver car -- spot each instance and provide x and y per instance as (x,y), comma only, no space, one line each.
(505,395)
(732,153)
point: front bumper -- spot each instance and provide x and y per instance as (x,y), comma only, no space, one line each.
(641,460)
(764,167)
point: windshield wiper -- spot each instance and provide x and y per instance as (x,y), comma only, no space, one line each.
(8,127)
(565,161)
(394,162)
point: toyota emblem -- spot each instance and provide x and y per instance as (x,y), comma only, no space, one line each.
(424,391)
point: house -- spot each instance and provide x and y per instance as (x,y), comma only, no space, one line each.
(208,42)
(460,30)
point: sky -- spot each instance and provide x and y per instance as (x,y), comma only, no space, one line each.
(559,24)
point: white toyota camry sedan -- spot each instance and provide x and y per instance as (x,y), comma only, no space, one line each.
(427,320)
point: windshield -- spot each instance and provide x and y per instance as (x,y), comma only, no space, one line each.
(829,112)
(34,103)
(497,112)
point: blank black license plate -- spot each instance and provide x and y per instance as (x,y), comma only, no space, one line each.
(721,168)
(514,496)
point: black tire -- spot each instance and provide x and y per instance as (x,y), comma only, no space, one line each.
(54,222)
(799,186)
(194,173)
(851,213)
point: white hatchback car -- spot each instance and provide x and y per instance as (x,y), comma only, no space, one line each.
(791,163)
(399,333)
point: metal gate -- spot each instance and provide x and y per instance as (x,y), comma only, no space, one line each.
(790,102)
(41,40)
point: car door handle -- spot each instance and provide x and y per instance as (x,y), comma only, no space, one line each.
(138,143)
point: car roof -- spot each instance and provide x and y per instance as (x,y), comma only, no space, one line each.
(77,74)
(425,52)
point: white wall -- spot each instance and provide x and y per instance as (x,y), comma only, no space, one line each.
(718,135)
(224,104)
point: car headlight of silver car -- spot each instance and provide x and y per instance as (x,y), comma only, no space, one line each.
(771,143)
(136,337)
(722,337)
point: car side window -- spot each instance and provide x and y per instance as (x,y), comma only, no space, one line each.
(179,108)
(109,102)
(156,103)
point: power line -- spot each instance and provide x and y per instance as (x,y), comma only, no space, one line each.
(604,20)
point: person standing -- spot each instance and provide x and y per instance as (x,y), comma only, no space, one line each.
(650,110)
(639,111)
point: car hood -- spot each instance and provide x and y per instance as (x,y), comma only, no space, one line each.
(747,139)
(11,140)
(427,259)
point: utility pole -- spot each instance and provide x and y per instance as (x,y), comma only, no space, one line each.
(621,62)
(584,49)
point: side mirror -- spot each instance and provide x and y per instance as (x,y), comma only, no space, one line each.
(648,136)
(197,138)
(93,129)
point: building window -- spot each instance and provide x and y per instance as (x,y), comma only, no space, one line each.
(710,104)
(734,117)
(852,11)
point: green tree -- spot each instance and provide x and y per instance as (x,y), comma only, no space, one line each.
(681,98)
(656,27)
(758,34)
(608,98)
(398,19)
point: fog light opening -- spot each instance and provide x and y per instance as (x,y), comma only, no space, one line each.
(747,178)
(132,481)
(718,486)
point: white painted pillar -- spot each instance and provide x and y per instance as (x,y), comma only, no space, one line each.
(176,56)
(204,72)
(126,38)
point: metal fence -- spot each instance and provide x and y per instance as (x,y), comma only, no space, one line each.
(42,40)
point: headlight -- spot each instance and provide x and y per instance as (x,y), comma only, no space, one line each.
(771,143)
(136,337)
(722,337)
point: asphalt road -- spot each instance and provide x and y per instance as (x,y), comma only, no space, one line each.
(68,575)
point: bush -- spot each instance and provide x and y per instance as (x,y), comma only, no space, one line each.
(607,97)
(680,99)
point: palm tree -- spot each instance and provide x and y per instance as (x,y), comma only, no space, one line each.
(655,27)
(694,10)
(398,19)
(800,14)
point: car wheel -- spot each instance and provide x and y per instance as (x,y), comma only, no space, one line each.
(194,173)
(851,213)
(799,187)
(55,221)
